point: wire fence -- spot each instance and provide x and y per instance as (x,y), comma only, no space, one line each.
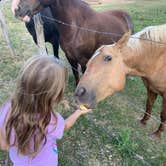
(11,82)
(100,32)
(8,83)
(91,31)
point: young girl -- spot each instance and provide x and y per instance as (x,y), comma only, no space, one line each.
(29,127)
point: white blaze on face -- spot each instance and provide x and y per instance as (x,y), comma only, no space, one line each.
(97,52)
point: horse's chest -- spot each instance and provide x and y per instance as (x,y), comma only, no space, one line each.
(156,79)
(78,49)
(157,85)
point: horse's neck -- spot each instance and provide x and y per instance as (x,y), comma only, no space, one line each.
(139,60)
(68,3)
(70,10)
(144,56)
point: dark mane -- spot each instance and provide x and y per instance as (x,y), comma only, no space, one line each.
(79,5)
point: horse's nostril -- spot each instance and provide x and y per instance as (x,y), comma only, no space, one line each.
(81,91)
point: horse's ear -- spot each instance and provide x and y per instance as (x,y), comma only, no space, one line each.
(124,39)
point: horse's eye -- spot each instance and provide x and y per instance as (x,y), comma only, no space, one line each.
(107,58)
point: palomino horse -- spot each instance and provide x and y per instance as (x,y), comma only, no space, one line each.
(110,65)
(79,43)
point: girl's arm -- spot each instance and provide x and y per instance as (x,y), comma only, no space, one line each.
(3,144)
(70,121)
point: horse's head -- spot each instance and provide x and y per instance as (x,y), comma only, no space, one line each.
(105,74)
(30,7)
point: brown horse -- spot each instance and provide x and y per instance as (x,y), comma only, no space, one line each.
(108,68)
(79,43)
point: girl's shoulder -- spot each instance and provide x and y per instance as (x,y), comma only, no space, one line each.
(57,125)
(3,113)
(60,119)
(5,107)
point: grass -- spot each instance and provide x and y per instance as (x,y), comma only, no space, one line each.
(112,134)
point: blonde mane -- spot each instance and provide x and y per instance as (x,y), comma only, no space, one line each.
(154,33)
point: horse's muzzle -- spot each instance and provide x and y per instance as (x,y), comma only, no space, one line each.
(85,97)
(20,14)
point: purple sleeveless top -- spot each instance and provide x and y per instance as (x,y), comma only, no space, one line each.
(49,153)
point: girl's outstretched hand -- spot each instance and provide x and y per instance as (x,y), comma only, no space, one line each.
(70,121)
(83,110)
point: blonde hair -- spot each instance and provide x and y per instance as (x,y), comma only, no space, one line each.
(40,87)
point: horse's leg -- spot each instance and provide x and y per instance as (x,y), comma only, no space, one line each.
(151,97)
(157,134)
(55,45)
(74,66)
(83,68)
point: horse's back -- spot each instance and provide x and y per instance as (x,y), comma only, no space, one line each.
(122,17)
(113,24)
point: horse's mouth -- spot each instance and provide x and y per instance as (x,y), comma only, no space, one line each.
(88,105)
(20,15)
(85,97)
(29,14)
(91,105)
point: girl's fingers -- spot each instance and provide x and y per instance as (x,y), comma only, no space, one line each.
(85,111)
(88,110)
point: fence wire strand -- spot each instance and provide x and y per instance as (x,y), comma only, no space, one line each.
(8,82)
(99,32)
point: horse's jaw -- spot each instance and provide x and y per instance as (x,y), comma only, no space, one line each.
(25,12)
(89,100)
(87,104)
